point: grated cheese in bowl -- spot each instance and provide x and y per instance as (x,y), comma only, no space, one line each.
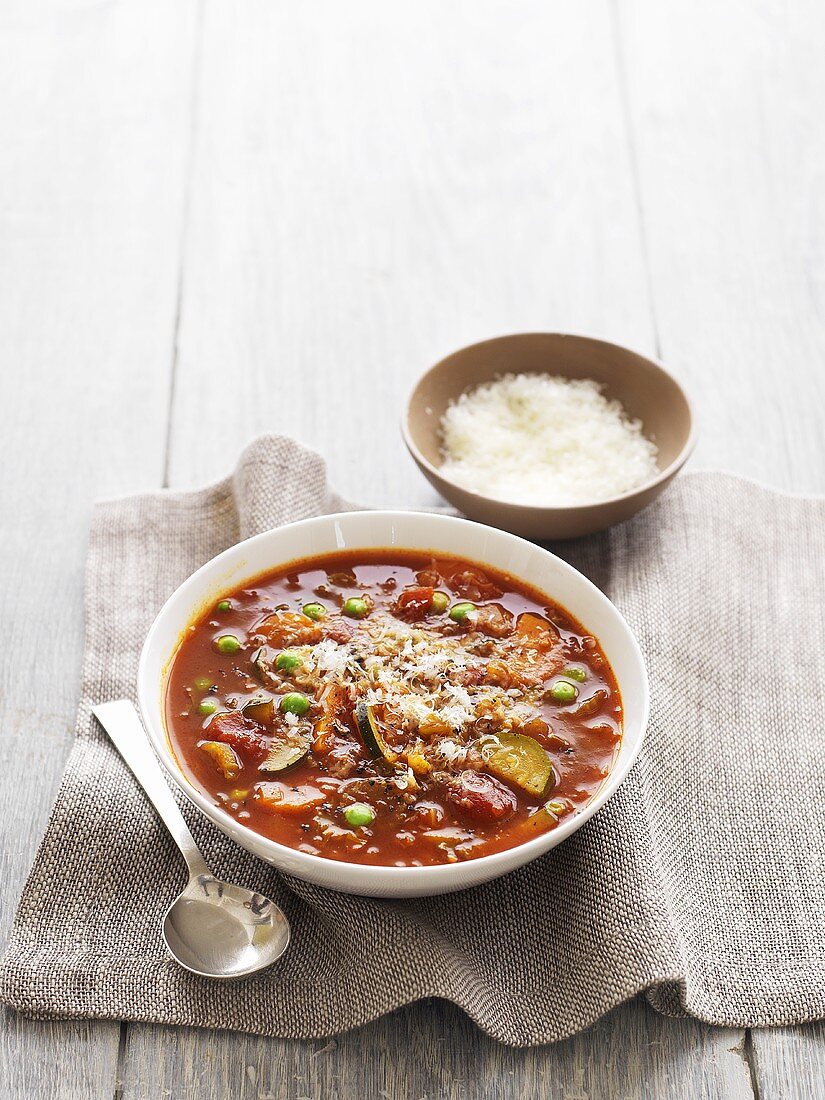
(541,439)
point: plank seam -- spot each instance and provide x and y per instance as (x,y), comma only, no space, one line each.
(120,1064)
(186,202)
(635,170)
(749,1058)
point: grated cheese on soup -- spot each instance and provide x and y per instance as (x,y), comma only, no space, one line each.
(542,439)
(429,710)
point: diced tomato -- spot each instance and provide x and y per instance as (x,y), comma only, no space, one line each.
(603,733)
(472,584)
(536,632)
(494,620)
(482,797)
(244,735)
(286,628)
(280,798)
(342,760)
(338,628)
(414,603)
(429,577)
(469,677)
(539,729)
(538,652)
(530,667)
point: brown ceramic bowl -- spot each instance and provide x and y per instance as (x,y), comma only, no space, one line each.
(646,390)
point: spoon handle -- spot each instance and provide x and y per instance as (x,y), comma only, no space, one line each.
(121,722)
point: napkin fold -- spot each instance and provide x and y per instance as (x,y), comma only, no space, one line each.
(702,881)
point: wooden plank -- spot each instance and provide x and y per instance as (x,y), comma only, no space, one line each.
(94,122)
(75,1060)
(371,190)
(436,1053)
(431,256)
(725,104)
(376,187)
(789,1062)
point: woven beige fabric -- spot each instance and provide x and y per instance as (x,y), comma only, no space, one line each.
(702,882)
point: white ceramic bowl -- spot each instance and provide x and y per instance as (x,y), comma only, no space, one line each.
(402,530)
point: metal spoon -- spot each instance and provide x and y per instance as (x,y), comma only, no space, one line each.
(214,929)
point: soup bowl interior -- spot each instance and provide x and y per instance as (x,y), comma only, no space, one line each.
(393,530)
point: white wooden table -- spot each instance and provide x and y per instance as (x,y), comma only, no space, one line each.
(218,219)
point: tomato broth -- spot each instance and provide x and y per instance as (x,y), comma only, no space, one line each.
(393,708)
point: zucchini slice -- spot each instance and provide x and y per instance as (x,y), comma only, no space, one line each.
(521,761)
(286,754)
(261,709)
(370,733)
(261,661)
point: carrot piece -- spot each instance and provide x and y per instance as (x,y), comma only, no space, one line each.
(224,756)
(280,798)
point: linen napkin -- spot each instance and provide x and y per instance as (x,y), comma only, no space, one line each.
(702,882)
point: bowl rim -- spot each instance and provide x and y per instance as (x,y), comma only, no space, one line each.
(543,509)
(372,873)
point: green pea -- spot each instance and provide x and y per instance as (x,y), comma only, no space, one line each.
(359,813)
(295,702)
(203,683)
(224,605)
(440,602)
(287,662)
(574,673)
(315,611)
(227,643)
(207,706)
(355,607)
(460,611)
(563,692)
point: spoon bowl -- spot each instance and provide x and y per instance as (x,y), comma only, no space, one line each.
(219,930)
(214,929)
